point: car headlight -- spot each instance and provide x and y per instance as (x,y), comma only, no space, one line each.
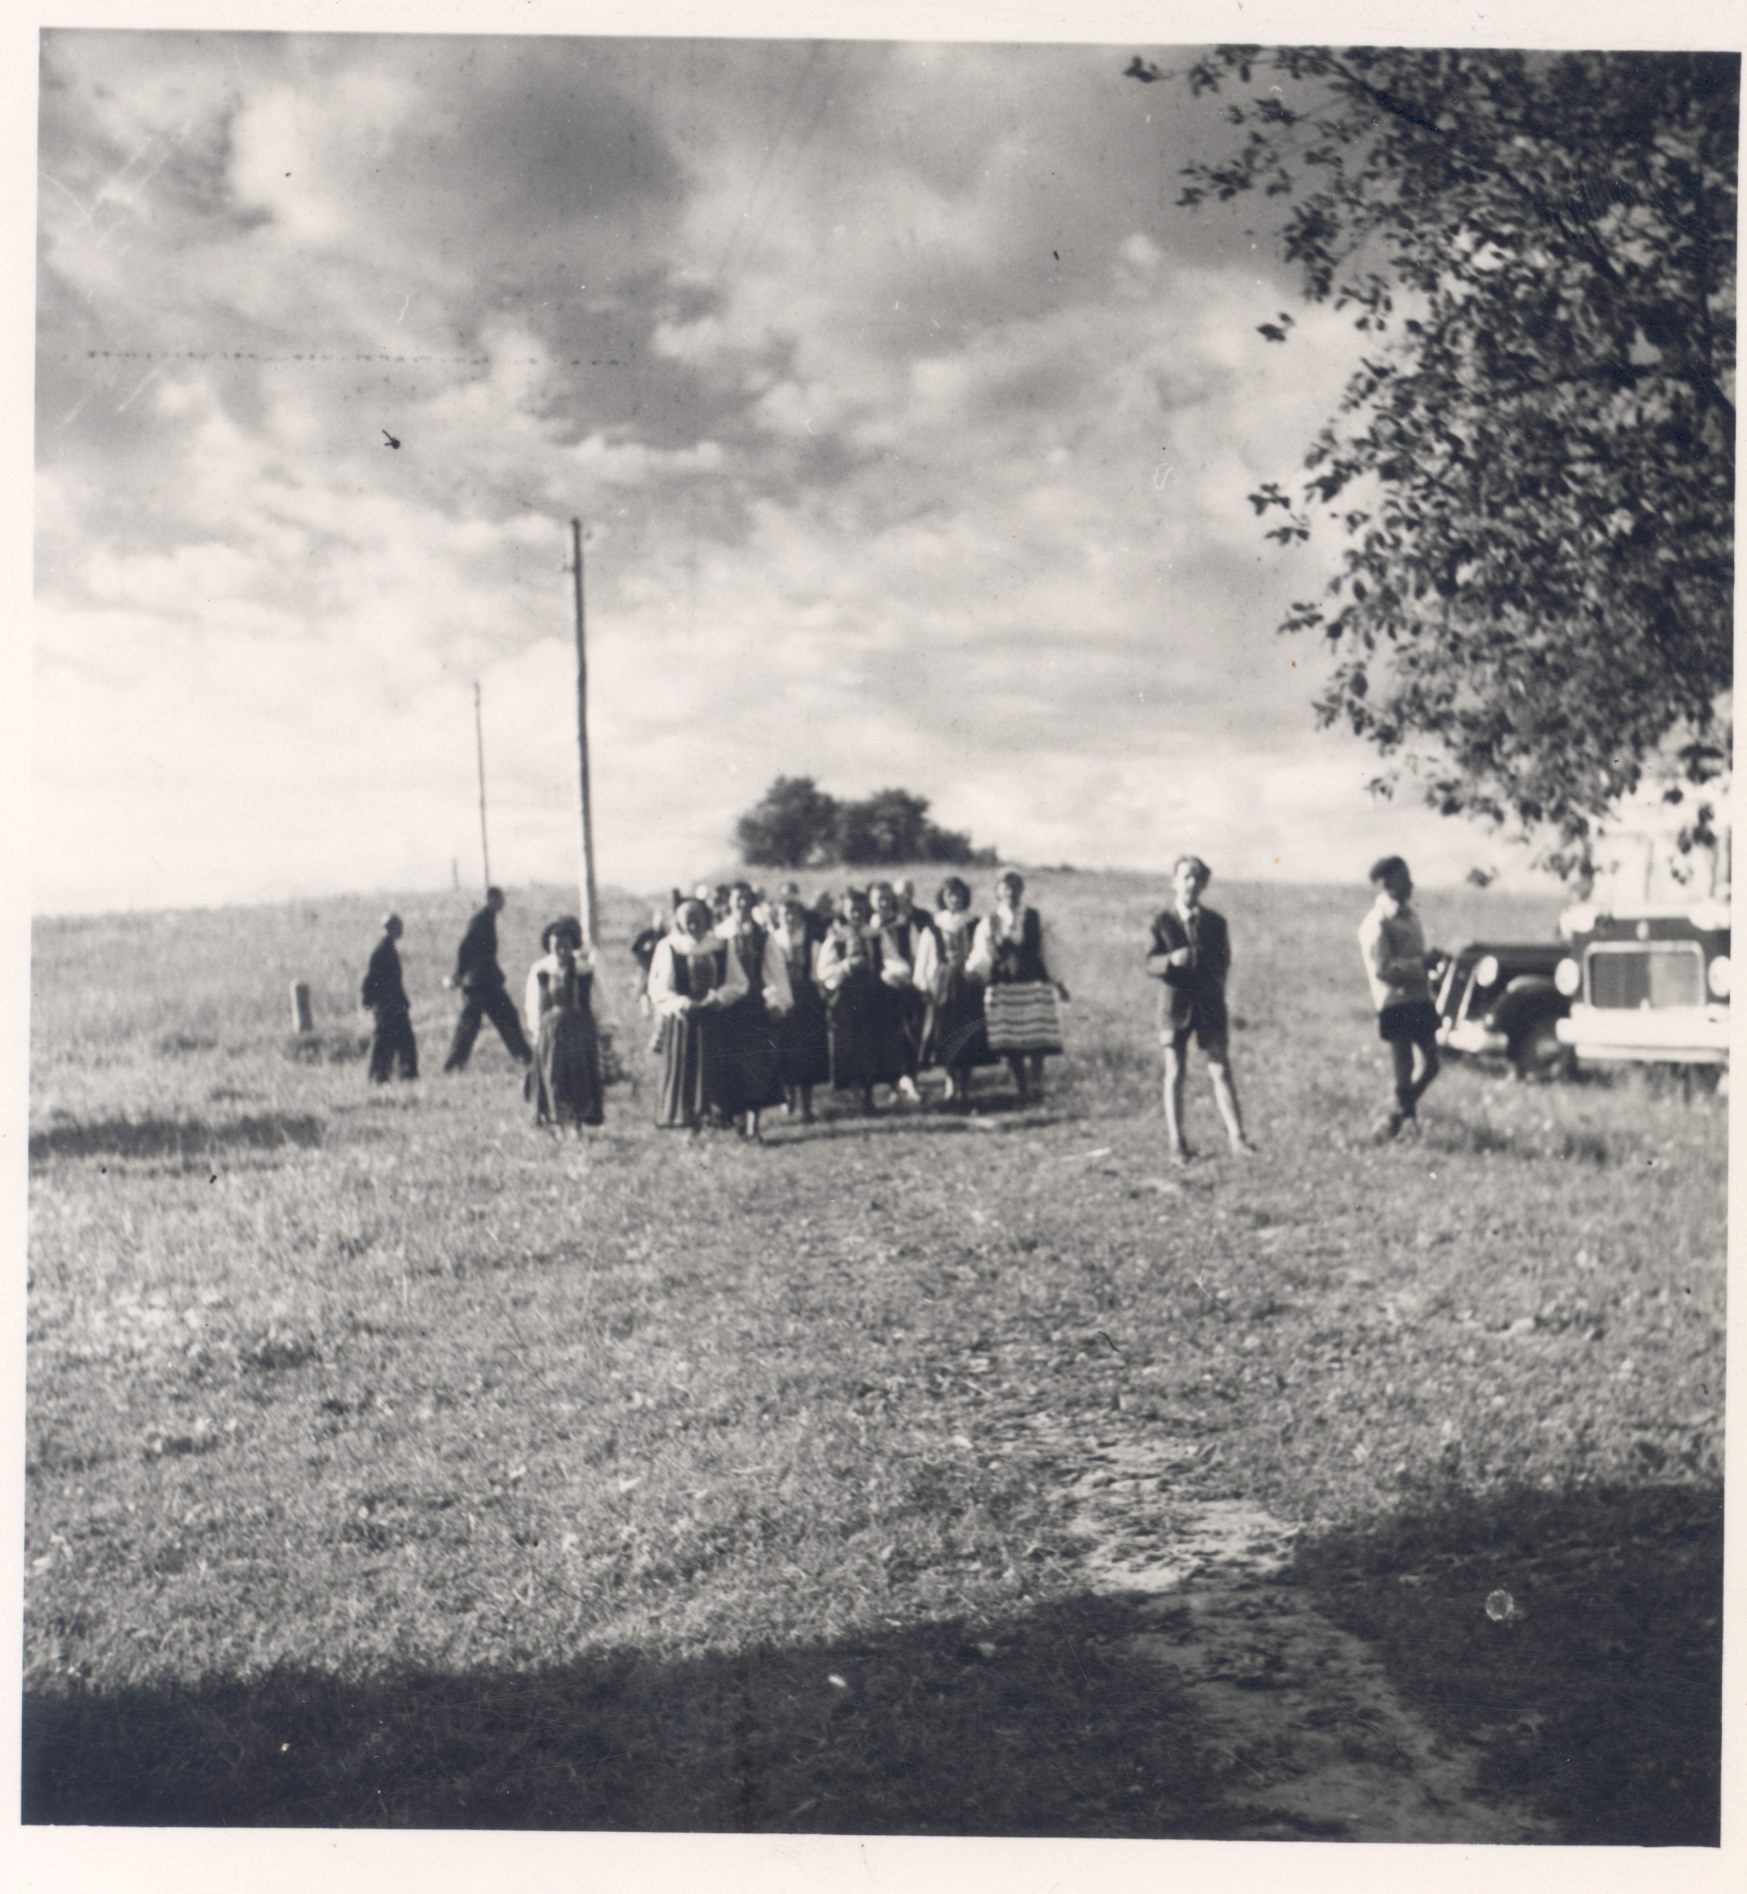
(1568,977)
(1718,975)
(1486,970)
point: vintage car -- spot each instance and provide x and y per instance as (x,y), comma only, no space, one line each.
(1648,985)
(1500,999)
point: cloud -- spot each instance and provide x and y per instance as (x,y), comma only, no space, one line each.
(911,421)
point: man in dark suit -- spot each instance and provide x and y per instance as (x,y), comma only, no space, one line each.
(384,992)
(480,979)
(1191,954)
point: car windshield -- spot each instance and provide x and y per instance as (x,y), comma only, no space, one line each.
(1639,871)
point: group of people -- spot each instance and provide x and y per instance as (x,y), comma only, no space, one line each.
(759,1002)
(563,1065)
(756,1002)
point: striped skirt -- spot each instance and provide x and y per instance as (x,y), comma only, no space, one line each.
(1022,1017)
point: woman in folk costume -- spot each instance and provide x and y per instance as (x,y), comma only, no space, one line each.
(866,1048)
(693,980)
(749,1032)
(803,1043)
(565,1080)
(908,1005)
(955,1036)
(1015,955)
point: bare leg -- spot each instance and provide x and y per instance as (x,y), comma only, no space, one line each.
(1174,1102)
(1037,1075)
(1225,1097)
(1016,1065)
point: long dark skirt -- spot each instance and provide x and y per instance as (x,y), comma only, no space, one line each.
(750,1080)
(957,1033)
(566,1079)
(867,1034)
(803,1037)
(692,1090)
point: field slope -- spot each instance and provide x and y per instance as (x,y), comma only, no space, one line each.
(391,1463)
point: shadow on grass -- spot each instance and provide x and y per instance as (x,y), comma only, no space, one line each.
(174,1137)
(1573,1638)
(1034,1727)
(1003,1116)
(1571,1641)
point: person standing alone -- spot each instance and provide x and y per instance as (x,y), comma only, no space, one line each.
(384,992)
(480,979)
(1191,953)
(1394,951)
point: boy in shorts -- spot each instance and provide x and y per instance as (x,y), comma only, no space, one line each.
(1394,951)
(1191,954)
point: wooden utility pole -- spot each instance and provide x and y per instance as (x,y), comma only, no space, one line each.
(586,890)
(479,748)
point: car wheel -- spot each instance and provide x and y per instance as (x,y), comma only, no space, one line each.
(1537,1053)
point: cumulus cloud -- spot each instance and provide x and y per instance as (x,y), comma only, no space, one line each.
(911,422)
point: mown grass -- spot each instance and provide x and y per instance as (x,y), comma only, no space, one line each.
(392,1463)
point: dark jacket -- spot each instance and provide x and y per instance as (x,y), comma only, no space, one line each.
(383,988)
(1193,995)
(476,957)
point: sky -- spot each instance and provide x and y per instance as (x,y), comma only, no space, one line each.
(911,421)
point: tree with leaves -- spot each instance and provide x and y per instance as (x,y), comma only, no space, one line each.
(1531,471)
(796,824)
(888,826)
(793,824)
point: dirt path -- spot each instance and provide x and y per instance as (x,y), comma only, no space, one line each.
(1319,1743)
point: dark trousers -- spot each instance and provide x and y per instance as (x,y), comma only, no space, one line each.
(393,1042)
(493,1003)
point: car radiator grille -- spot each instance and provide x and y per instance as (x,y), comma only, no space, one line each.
(1647,976)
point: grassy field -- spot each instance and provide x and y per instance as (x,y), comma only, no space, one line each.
(392,1463)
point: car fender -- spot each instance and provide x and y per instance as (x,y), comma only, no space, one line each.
(1529,996)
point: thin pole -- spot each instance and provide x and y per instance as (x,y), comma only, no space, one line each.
(479,748)
(587,884)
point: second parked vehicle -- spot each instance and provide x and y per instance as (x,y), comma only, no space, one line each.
(1498,999)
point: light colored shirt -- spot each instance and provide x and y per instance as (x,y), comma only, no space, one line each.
(933,962)
(1394,951)
(1007,923)
(548,964)
(665,996)
(835,954)
(774,973)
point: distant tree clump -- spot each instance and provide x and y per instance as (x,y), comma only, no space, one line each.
(796,824)
(1532,470)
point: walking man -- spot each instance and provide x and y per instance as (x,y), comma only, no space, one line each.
(1191,954)
(384,993)
(1394,951)
(480,979)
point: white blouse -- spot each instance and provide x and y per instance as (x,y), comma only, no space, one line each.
(831,958)
(1006,923)
(664,994)
(548,964)
(779,996)
(931,964)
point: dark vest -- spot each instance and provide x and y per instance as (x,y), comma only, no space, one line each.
(1020,961)
(749,950)
(696,975)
